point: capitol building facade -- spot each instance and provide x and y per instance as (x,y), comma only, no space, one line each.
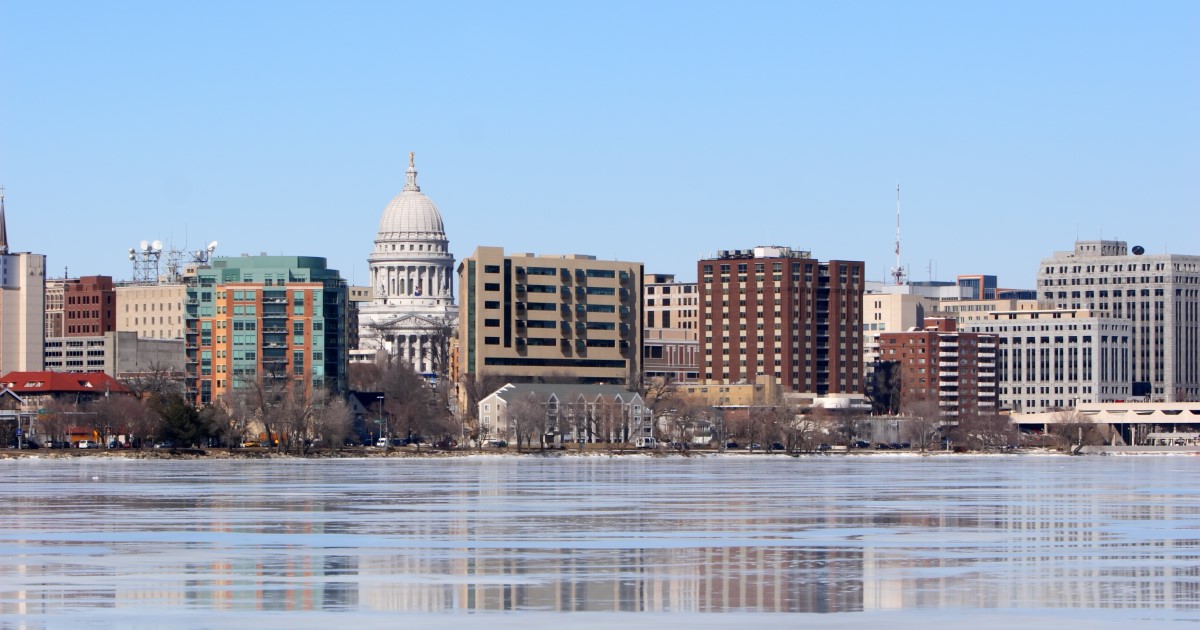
(412,315)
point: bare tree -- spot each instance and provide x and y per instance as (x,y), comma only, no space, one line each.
(1073,429)
(986,432)
(922,422)
(335,421)
(157,380)
(803,428)
(659,393)
(124,415)
(473,388)
(412,405)
(526,417)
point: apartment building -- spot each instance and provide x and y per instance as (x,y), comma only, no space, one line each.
(773,313)
(888,312)
(940,365)
(1158,294)
(275,320)
(526,316)
(671,342)
(1054,359)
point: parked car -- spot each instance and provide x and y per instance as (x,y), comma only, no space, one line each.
(86,444)
(824,448)
(861,444)
(731,445)
(164,444)
(645,442)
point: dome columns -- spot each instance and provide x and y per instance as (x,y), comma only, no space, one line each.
(429,281)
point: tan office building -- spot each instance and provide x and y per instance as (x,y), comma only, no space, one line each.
(525,316)
(153,311)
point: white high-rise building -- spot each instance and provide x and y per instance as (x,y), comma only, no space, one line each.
(412,314)
(22,306)
(1056,359)
(1158,294)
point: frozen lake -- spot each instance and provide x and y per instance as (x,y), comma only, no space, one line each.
(595,542)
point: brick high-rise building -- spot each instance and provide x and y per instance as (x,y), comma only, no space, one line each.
(943,366)
(777,314)
(89,306)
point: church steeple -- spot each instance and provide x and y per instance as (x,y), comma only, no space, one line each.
(3,225)
(410,180)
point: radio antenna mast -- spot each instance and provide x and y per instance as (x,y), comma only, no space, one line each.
(898,272)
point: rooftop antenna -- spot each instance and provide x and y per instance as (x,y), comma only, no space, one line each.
(898,272)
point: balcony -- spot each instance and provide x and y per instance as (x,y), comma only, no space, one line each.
(948,393)
(947,403)
(987,374)
(948,355)
(952,365)
(987,403)
(987,365)
(947,374)
(987,345)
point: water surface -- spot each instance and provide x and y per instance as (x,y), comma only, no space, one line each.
(866,539)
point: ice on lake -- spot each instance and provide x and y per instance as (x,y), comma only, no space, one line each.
(910,541)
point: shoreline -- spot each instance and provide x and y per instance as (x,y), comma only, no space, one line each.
(404,453)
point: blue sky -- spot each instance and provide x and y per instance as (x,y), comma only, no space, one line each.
(651,131)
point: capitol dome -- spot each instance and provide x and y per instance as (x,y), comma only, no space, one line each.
(410,214)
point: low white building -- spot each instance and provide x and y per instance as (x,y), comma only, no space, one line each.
(573,413)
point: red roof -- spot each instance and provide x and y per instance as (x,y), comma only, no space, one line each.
(24,383)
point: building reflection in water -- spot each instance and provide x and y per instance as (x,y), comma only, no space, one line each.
(498,542)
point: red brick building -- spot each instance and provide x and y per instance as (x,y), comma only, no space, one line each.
(956,371)
(776,314)
(89,306)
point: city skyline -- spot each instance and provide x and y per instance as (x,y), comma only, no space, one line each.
(659,133)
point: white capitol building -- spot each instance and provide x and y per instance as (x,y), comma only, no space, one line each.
(412,313)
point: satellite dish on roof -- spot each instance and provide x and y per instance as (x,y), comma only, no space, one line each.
(144,246)
(1138,250)
(157,245)
(212,246)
